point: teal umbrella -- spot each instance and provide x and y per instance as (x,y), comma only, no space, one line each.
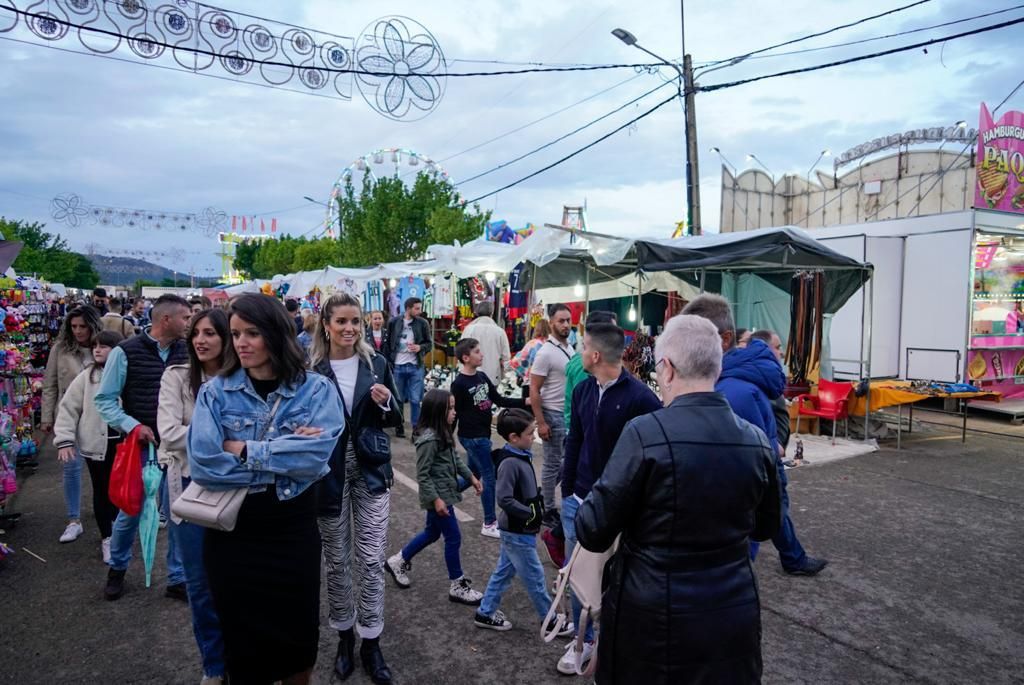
(149,523)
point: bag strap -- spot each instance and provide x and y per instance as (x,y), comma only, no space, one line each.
(560,349)
(270,419)
(560,600)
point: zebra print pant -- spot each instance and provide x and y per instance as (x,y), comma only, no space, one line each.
(367,516)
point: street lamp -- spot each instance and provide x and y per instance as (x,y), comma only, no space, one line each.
(824,153)
(685,73)
(751,157)
(725,160)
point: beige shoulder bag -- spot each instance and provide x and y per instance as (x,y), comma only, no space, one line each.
(215,509)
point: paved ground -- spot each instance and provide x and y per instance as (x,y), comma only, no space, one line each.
(924,586)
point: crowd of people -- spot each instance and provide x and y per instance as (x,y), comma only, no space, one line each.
(292,408)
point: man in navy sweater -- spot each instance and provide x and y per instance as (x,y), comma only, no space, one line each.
(602,405)
(751,378)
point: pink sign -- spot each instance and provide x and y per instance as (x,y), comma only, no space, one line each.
(1000,162)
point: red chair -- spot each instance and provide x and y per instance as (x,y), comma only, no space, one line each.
(831,402)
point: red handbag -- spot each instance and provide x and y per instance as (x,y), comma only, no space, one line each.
(126,492)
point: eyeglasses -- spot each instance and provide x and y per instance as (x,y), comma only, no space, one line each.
(667,361)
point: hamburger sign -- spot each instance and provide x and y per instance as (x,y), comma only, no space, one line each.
(1000,162)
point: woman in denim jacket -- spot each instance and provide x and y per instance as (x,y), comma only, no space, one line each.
(266,424)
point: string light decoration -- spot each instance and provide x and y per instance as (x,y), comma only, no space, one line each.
(398,65)
(74,212)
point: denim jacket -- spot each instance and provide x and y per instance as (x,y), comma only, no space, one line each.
(229,409)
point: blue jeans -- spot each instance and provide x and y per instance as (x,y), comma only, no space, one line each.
(435,527)
(73,486)
(409,383)
(570,505)
(479,451)
(791,552)
(123,539)
(518,556)
(205,623)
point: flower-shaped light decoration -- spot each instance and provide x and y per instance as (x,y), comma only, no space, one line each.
(406,68)
(68,209)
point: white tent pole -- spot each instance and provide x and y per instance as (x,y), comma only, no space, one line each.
(639,300)
(586,289)
(869,319)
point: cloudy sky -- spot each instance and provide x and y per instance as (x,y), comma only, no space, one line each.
(125,135)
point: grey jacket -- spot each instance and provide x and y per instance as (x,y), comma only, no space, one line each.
(520,504)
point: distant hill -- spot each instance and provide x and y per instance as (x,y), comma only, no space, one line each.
(127,270)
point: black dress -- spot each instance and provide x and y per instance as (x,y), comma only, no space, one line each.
(265,580)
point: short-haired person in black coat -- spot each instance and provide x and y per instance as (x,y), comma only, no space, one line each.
(687,487)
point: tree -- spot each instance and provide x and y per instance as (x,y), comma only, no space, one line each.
(48,256)
(387,221)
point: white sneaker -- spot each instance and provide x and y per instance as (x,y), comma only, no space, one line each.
(490,531)
(72,532)
(399,569)
(106,550)
(567,664)
(462,593)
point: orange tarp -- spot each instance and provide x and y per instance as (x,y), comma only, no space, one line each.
(893,393)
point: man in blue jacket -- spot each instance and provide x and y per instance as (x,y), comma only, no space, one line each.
(602,405)
(751,378)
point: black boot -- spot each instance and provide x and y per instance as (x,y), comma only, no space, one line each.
(115,585)
(373,661)
(344,662)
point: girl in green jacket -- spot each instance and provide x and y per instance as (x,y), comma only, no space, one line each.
(442,477)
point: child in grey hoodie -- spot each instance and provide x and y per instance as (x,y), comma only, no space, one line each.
(521,509)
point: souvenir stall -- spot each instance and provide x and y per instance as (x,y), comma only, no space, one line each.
(32,316)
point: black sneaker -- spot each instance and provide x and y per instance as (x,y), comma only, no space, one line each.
(176,591)
(400,432)
(553,519)
(115,585)
(496,622)
(810,567)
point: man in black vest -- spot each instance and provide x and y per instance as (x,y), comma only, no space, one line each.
(127,398)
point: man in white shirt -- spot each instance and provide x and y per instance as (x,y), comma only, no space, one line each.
(408,343)
(547,400)
(492,339)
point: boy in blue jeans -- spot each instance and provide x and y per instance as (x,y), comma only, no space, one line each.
(475,397)
(521,511)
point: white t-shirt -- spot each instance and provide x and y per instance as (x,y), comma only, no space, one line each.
(550,362)
(347,371)
(408,337)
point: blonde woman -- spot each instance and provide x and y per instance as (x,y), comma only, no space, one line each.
(355,499)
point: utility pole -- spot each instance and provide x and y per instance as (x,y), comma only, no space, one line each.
(690,114)
(692,171)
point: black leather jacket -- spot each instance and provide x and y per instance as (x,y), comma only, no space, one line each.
(687,486)
(364,413)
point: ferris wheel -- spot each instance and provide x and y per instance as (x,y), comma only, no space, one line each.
(401,162)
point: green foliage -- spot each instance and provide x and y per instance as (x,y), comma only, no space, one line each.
(48,255)
(387,221)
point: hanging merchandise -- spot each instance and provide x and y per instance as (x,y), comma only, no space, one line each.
(444,302)
(803,353)
(411,287)
(374,296)
(394,305)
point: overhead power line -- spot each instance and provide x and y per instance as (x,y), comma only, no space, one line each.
(567,135)
(861,58)
(586,147)
(822,33)
(873,39)
(330,70)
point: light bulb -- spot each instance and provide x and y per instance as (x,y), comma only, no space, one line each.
(632,313)
(491,276)
(393,283)
(577,290)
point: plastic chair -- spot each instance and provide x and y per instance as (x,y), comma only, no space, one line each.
(831,402)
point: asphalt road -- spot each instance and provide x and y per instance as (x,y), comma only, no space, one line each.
(924,586)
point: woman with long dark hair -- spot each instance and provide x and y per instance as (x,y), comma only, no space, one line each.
(208,341)
(71,352)
(265,424)
(355,499)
